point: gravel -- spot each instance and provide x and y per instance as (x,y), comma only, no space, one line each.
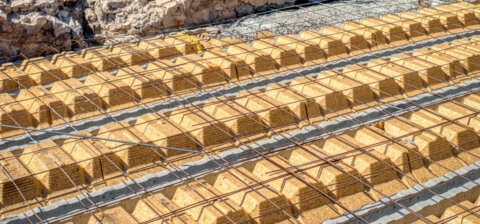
(305,17)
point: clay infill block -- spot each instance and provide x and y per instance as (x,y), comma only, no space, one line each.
(382,86)
(96,159)
(102,58)
(414,29)
(356,92)
(13,78)
(152,206)
(469,59)
(130,53)
(73,65)
(273,112)
(450,66)
(158,48)
(428,144)
(283,55)
(307,50)
(303,107)
(352,41)
(393,33)
(234,67)
(174,77)
(218,211)
(14,114)
(465,212)
(207,130)
(258,60)
(23,182)
(432,25)
(45,107)
(237,118)
(374,37)
(111,90)
(54,168)
(302,196)
(81,100)
(182,43)
(407,79)
(167,133)
(466,17)
(430,73)
(130,154)
(41,71)
(203,70)
(144,84)
(448,20)
(257,201)
(339,182)
(332,47)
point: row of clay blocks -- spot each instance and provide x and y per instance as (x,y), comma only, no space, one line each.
(463,212)
(302,98)
(240,60)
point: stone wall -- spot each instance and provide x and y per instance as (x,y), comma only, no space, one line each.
(38,27)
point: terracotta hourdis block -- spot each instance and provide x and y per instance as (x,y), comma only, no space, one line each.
(256,59)
(237,118)
(14,114)
(374,38)
(339,182)
(407,79)
(448,20)
(303,107)
(282,54)
(302,196)
(158,48)
(375,168)
(234,67)
(466,17)
(333,48)
(111,90)
(413,29)
(317,215)
(96,159)
(13,78)
(73,65)
(151,207)
(41,71)
(464,213)
(174,77)
(54,168)
(472,100)
(165,133)
(382,86)
(146,85)
(130,154)
(403,156)
(102,58)
(427,143)
(355,43)
(307,50)
(257,201)
(468,117)
(45,107)
(81,100)
(450,66)
(456,134)
(183,44)
(207,130)
(394,34)
(26,184)
(429,72)
(112,216)
(329,100)
(432,25)
(356,92)
(203,70)
(131,54)
(469,59)
(217,211)
(273,112)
